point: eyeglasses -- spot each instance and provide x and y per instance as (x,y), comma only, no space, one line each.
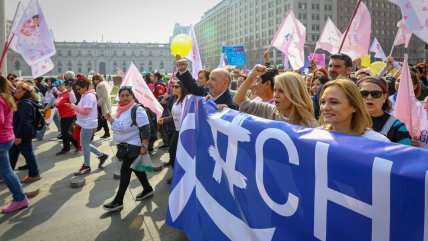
(375,93)
(175,86)
(126,87)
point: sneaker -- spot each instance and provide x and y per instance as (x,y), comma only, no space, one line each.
(145,194)
(102,159)
(62,152)
(106,135)
(22,168)
(16,205)
(113,206)
(29,179)
(83,170)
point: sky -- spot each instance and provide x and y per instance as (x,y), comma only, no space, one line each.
(142,21)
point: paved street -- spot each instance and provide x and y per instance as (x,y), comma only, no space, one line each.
(60,212)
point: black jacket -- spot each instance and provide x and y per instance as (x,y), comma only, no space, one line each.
(193,88)
(23,119)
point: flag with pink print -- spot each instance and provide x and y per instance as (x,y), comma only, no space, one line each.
(415,15)
(42,67)
(194,54)
(356,42)
(290,39)
(403,34)
(329,37)
(377,49)
(34,41)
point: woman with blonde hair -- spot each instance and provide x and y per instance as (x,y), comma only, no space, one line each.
(343,110)
(292,101)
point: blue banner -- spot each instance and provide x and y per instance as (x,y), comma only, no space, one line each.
(240,177)
(235,55)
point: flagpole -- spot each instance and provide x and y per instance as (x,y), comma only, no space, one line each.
(393,44)
(7,44)
(349,25)
(5,48)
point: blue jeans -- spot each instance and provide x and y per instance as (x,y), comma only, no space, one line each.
(9,176)
(85,141)
(26,149)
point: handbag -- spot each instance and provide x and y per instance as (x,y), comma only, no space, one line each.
(127,151)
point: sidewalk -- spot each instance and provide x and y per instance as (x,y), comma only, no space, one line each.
(60,212)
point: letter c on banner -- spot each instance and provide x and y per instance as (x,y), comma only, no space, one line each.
(290,206)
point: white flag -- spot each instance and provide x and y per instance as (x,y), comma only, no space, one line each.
(290,39)
(11,39)
(377,49)
(34,38)
(222,62)
(194,54)
(329,37)
(42,67)
(415,15)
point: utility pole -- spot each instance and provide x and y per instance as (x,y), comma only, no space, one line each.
(3,34)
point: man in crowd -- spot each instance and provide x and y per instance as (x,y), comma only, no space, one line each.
(218,84)
(339,65)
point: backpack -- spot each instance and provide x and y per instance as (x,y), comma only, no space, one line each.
(152,120)
(39,119)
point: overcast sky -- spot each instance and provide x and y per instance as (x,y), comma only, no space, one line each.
(124,20)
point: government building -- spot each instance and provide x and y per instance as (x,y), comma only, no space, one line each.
(100,57)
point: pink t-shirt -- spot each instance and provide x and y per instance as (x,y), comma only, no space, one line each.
(6,120)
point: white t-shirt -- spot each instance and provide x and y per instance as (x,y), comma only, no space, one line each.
(89,121)
(123,132)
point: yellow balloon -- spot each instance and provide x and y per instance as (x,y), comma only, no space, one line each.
(365,60)
(181,45)
(376,67)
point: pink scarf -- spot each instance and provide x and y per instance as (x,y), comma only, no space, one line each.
(122,108)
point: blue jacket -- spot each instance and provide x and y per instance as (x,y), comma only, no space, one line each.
(23,119)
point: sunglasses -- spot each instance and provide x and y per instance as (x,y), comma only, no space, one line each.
(126,88)
(375,93)
(175,86)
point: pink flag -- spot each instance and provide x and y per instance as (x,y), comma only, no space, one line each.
(141,90)
(405,106)
(377,49)
(318,58)
(194,55)
(290,39)
(415,15)
(329,37)
(403,34)
(286,66)
(357,41)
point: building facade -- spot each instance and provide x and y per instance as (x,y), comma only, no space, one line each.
(103,58)
(253,23)
(179,29)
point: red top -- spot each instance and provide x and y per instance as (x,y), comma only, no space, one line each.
(63,110)
(160,90)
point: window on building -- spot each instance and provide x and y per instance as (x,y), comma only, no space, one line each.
(123,53)
(114,53)
(69,53)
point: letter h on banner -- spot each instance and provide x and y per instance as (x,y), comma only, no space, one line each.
(378,212)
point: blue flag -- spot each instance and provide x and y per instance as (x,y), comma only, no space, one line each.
(240,177)
(235,55)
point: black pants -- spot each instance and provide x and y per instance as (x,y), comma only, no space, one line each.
(67,137)
(125,178)
(102,122)
(173,147)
